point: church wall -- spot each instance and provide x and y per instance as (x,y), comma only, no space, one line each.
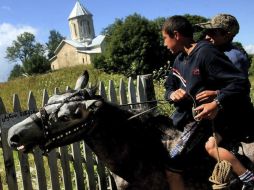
(68,57)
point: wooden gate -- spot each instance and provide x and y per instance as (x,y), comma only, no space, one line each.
(70,167)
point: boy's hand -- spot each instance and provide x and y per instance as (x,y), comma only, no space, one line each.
(206,111)
(206,95)
(178,95)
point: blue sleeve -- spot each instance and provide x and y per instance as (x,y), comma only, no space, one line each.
(239,60)
(231,81)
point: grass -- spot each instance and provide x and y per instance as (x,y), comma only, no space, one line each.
(61,79)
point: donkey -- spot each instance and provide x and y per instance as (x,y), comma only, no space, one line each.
(130,148)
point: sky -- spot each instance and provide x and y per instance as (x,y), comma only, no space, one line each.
(41,16)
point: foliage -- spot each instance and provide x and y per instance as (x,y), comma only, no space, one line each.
(132,50)
(53,41)
(36,64)
(17,71)
(29,52)
(251,69)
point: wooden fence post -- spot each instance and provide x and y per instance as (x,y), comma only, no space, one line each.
(147,81)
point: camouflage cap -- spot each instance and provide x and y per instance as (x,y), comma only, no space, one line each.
(224,21)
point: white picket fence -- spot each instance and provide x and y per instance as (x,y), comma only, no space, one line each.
(69,167)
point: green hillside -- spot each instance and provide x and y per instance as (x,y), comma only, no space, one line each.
(61,79)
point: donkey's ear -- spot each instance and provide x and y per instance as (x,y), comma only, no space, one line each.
(82,81)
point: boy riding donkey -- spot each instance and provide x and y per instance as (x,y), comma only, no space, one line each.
(220,31)
(199,67)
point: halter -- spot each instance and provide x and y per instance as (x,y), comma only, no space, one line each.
(46,125)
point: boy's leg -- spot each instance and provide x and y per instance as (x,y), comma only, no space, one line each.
(244,174)
(224,154)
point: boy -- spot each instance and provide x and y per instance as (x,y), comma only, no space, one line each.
(220,31)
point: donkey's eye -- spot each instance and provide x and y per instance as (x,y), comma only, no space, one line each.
(64,118)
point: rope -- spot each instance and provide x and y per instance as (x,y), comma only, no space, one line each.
(222,170)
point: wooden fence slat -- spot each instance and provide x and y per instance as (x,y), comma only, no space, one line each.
(25,171)
(77,161)
(64,158)
(38,158)
(52,162)
(39,164)
(112,184)
(102,180)
(23,158)
(89,167)
(102,91)
(122,93)
(140,93)
(31,102)
(1,185)
(56,90)
(140,90)
(16,103)
(52,156)
(9,163)
(2,111)
(2,107)
(45,97)
(149,89)
(11,177)
(67,88)
(131,91)
(112,92)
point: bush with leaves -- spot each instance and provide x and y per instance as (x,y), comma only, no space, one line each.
(133,47)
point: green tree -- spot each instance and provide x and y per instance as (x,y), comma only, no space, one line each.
(17,71)
(22,48)
(29,52)
(53,41)
(36,64)
(132,47)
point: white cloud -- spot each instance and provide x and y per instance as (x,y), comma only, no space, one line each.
(249,49)
(8,33)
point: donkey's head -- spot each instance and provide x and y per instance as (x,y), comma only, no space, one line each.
(63,120)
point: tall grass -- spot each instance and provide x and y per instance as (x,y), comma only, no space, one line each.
(61,79)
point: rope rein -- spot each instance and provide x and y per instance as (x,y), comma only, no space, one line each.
(222,170)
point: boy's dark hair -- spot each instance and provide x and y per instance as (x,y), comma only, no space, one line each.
(180,24)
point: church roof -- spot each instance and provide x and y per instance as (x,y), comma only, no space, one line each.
(90,48)
(97,41)
(78,10)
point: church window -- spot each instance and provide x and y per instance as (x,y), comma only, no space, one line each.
(75,29)
(82,27)
(88,27)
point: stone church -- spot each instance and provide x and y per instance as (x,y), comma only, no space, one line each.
(83,43)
